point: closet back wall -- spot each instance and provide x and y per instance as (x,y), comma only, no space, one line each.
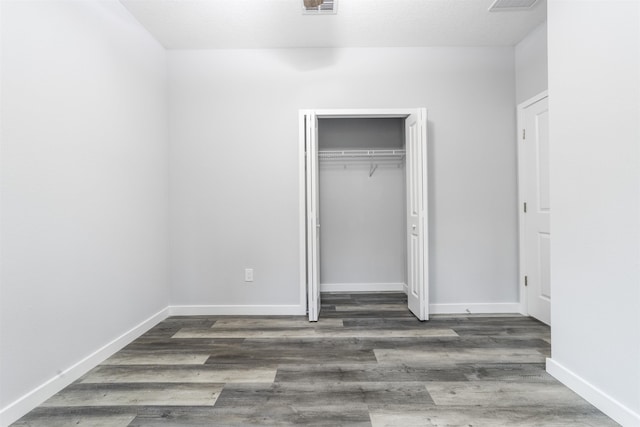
(362,211)
(235,171)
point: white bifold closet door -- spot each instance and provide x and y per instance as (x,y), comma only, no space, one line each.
(416,187)
(313,216)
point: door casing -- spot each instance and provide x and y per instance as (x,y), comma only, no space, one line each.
(355,113)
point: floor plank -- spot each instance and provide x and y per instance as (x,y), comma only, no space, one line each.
(157,358)
(148,394)
(312,332)
(460,356)
(482,417)
(224,373)
(498,394)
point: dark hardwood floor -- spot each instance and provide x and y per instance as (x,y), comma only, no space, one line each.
(368,361)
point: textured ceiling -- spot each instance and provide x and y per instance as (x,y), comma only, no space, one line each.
(226,24)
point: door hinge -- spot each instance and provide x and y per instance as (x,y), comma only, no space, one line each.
(524,134)
(525,207)
(526,281)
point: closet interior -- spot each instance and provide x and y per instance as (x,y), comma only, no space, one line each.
(362,204)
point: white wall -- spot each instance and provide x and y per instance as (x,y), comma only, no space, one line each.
(360,134)
(594,104)
(362,216)
(532,64)
(84,186)
(362,226)
(234,164)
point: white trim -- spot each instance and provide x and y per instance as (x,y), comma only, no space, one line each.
(362,287)
(521,191)
(35,397)
(476,308)
(426,270)
(533,99)
(342,113)
(302,208)
(373,113)
(237,310)
(592,394)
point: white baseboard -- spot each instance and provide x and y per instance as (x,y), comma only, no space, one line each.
(607,404)
(237,310)
(362,287)
(29,401)
(476,308)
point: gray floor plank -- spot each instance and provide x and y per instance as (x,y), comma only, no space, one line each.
(157,358)
(179,374)
(460,356)
(285,415)
(305,395)
(498,394)
(149,394)
(484,417)
(364,373)
(117,420)
(258,323)
(78,416)
(312,333)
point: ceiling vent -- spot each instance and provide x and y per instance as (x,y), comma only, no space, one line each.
(319,7)
(500,5)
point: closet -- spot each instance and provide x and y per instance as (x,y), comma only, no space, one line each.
(364,210)
(362,204)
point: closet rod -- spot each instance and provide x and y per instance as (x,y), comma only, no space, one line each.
(361,154)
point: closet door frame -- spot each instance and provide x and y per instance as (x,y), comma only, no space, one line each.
(354,113)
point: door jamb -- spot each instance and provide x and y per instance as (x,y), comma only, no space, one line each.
(521,199)
(330,113)
(302,209)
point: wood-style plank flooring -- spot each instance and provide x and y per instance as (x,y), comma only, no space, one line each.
(367,362)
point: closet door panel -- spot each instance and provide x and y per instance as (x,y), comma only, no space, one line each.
(415,134)
(313,217)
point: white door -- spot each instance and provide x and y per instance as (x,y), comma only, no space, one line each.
(313,220)
(536,209)
(417,244)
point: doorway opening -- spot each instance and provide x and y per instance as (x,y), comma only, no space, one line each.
(364,196)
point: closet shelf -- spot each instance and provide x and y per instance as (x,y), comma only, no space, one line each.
(361,154)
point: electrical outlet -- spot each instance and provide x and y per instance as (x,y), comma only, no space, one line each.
(248,274)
